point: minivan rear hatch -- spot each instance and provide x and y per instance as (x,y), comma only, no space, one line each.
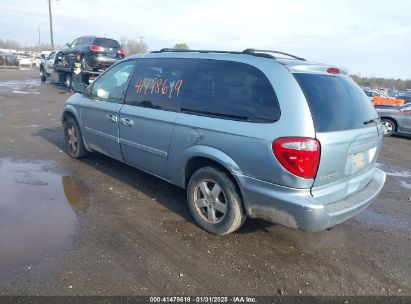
(347,127)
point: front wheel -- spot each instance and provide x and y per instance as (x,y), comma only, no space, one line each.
(42,75)
(73,139)
(214,201)
(388,125)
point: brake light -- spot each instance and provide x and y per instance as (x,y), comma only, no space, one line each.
(299,155)
(333,71)
(96,48)
(121,52)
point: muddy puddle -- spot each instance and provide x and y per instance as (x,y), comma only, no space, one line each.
(29,86)
(38,213)
(382,220)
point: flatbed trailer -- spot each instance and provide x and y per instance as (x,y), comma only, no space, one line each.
(66,72)
(53,68)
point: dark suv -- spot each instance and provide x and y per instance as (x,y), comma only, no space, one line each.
(96,53)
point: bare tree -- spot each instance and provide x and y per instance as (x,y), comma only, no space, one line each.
(9,44)
(378,82)
(132,46)
(182,46)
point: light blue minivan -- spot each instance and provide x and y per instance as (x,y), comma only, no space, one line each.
(258,134)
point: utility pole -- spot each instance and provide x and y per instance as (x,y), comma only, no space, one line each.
(141,44)
(38,27)
(51,26)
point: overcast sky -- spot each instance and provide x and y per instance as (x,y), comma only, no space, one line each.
(370,38)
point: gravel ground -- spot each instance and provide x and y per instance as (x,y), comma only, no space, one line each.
(99,227)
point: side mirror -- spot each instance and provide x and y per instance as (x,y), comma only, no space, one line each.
(43,56)
(68,44)
(80,87)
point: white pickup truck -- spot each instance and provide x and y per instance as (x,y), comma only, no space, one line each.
(53,67)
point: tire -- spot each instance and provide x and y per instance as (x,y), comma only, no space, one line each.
(389,126)
(74,141)
(220,212)
(69,81)
(42,75)
(84,64)
(62,77)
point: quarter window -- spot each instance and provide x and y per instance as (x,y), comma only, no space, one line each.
(110,86)
(231,90)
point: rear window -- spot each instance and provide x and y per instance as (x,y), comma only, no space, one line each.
(231,90)
(104,42)
(336,102)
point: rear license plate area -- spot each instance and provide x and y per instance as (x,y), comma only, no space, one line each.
(357,161)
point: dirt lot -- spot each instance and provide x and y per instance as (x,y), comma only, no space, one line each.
(98,227)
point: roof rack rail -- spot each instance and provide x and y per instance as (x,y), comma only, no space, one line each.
(255,52)
(196,51)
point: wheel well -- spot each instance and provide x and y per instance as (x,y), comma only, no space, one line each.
(393,120)
(199,162)
(67,115)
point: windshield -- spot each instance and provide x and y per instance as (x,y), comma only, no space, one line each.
(336,102)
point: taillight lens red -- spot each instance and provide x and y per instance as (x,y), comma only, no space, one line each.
(96,48)
(299,155)
(333,71)
(121,52)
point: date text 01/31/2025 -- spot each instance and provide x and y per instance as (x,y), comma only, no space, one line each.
(203,299)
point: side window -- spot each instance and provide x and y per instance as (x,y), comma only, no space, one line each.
(74,43)
(159,83)
(88,40)
(80,41)
(51,56)
(110,86)
(231,90)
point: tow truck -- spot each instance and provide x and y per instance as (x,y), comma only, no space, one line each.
(56,69)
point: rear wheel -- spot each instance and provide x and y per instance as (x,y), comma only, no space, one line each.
(42,75)
(389,126)
(214,201)
(69,81)
(73,139)
(84,64)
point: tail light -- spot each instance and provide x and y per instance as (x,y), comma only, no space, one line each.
(96,48)
(299,155)
(333,71)
(121,52)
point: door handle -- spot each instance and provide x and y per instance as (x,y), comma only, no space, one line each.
(127,122)
(112,118)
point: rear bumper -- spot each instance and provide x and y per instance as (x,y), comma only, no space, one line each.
(297,208)
(99,61)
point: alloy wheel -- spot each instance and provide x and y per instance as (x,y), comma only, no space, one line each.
(72,139)
(210,201)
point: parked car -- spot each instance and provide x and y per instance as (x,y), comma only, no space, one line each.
(96,53)
(247,134)
(25,60)
(8,59)
(396,119)
(408,103)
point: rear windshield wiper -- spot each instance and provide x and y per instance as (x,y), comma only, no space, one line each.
(371,121)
